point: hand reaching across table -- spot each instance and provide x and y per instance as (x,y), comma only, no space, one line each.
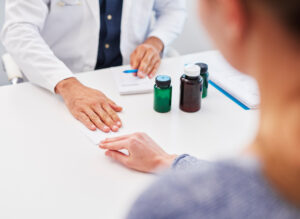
(90,106)
(144,154)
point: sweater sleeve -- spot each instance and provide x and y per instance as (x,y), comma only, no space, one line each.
(170,195)
(186,162)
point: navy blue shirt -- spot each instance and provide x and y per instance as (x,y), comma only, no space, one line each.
(109,53)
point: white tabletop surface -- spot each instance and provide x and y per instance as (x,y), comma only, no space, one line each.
(49,169)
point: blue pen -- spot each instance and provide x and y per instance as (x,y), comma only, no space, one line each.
(131,71)
(229,96)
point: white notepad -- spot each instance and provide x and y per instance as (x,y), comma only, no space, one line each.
(243,87)
(130,84)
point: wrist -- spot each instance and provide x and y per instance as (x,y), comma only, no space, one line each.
(156,43)
(66,84)
(166,161)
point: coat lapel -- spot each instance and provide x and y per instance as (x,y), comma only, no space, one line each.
(95,8)
(126,13)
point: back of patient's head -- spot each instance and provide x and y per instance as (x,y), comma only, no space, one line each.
(243,29)
(286,11)
(262,38)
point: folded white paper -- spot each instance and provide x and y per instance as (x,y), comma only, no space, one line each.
(241,86)
(97,136)
(130,84)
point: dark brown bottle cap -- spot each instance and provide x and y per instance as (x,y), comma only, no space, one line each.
(204,68)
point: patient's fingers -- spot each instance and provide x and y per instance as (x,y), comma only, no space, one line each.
(116,138)
(115,146)
(118,156)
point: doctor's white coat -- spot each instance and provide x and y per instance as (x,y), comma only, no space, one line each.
(52,39)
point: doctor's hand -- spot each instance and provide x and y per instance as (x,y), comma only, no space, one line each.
(144,154)
(90,106)
(146,57)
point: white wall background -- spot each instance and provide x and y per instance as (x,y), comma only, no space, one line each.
(193,39)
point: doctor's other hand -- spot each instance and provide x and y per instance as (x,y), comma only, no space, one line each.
(144,154)
(89,106)
(146,57)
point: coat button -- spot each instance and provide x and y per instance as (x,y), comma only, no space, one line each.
(109,17)
(61,4)
(107,46)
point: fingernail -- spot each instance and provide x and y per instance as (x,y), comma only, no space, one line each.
(141,74)
(115,128)
(106,128)
(119,124)
(93,127)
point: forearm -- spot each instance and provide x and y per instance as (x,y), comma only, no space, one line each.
(21,37)
(34,57)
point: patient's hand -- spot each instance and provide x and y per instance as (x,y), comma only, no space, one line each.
(90,106)
(144,154)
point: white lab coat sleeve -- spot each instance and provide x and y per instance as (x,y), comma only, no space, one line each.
(170,18)
(24,19)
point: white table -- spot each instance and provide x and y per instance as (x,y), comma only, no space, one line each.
(49,169)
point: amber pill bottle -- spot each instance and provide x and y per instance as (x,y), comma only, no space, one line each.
(191,89)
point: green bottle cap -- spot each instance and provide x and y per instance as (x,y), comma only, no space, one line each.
(163,81)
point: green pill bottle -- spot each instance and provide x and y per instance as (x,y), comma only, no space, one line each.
(205,76)
(162,94)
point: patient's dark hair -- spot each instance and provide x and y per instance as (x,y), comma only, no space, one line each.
(287,11)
